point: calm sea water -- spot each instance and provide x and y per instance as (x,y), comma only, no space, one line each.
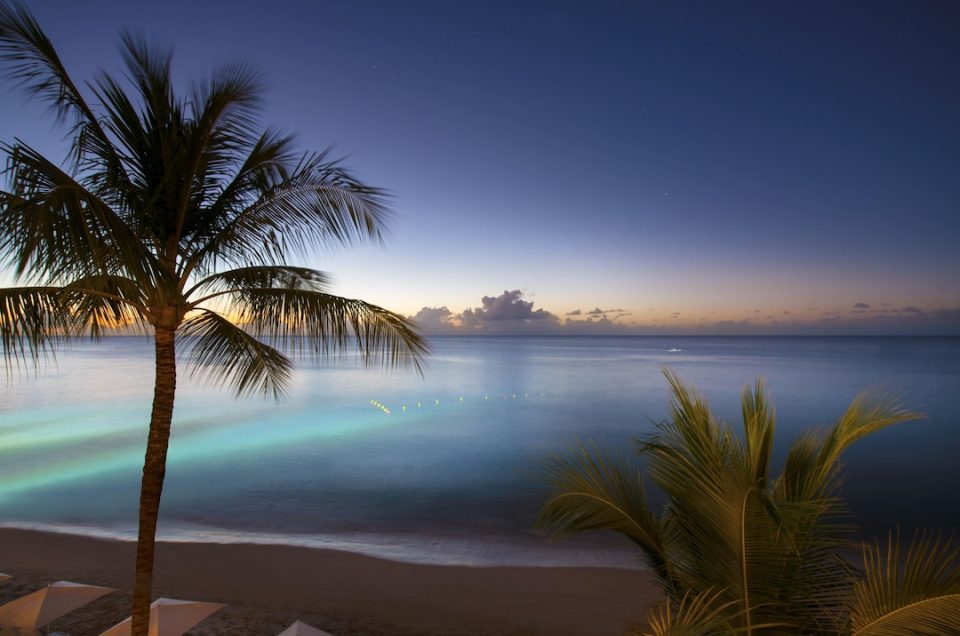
(449,474)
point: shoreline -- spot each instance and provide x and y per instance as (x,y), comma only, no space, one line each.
(266,587)
(438,548)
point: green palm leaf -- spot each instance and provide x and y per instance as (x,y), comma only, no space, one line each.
(911,594)
(738,549)
(703,614)
(596,490)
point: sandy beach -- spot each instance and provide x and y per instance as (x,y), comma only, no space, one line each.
(268,587)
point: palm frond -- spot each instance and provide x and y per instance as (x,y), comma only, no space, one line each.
(759,425)
(107,303)
(224,353)
(316,205)
(33,322)
(122,120)
(912,594)
(261,277)
(33,63)
(53,228)
(812,466)
(263,168)
(772,554)
(148,67)
(702,614)
(223,111)
(871,411)
(594,489)
(307,321)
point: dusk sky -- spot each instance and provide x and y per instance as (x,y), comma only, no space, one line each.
(605,167)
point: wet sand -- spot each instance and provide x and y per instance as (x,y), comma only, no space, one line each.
(267,587)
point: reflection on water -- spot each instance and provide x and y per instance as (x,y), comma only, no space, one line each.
(443,468)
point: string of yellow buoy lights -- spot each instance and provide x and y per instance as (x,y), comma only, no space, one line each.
(514,396)
(380,406)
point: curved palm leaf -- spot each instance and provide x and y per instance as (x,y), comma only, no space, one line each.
(33,62)
(811,469)
(222,352)
(259,277)
(305,320)
(912,594)
(51,227)
(759,426)
(596,490)
(315,205)
(703,614)
(32,321)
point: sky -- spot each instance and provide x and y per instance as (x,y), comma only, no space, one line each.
(604,167)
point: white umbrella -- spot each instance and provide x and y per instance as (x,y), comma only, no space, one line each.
(4,577)
(33,611)
(302,629)
(169,617)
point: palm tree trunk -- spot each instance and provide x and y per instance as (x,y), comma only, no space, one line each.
(154,469)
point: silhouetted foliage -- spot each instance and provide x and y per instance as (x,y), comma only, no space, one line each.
(741,551)
(176,215)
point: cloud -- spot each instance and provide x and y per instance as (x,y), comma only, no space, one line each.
(596,311)
(435,320)
(507,306)
(507,314)
(511,314)
(861,306)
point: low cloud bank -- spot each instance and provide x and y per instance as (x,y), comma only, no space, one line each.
(510,314)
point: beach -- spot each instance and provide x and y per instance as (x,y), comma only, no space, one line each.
(267,587)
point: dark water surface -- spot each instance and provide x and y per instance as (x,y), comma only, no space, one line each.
(449,474)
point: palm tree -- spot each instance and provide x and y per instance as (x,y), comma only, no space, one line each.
(739,550)
(176,215)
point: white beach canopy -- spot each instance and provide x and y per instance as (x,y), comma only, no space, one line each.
(31,612)
(4,577)
(169,617)
(302,629)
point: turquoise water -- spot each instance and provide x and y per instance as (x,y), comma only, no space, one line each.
(443,468)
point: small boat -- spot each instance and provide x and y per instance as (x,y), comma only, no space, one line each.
(673,350)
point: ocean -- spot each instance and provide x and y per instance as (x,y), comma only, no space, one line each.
(444,468)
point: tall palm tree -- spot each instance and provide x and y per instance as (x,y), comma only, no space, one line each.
(739,550)
(176,215)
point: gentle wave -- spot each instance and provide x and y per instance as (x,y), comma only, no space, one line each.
(402,547)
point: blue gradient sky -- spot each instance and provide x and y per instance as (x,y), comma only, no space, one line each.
(700,167)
